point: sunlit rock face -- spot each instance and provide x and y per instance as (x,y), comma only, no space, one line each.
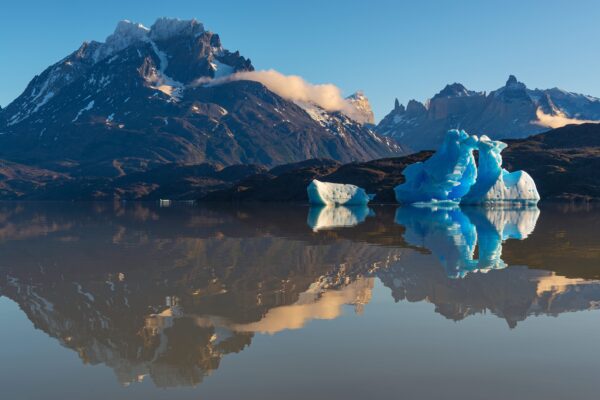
(452,234)
(446,176)
(330,217)
(451,175)
(326,193)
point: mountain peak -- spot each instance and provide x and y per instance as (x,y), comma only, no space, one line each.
(513,83)
(358,95)
(511,80)
(166,28)
(362,106)
(415,107)
(128,33)
(128,28)
(454,90)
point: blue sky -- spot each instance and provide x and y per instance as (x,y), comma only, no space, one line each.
(404,49)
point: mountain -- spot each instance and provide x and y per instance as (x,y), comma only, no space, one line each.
(148,97)
(363,107)
(512,111)
(563,162)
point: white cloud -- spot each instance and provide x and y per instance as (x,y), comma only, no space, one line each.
(557,121)
(295,88)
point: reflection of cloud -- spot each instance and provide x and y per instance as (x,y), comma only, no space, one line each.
(557,284)
(326,305)
(10,231)
(557,121)
(319,301)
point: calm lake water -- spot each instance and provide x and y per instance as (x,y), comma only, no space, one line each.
(134,301)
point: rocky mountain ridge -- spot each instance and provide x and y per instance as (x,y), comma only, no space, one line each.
(510,112)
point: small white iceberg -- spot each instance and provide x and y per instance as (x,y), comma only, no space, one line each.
(331,194)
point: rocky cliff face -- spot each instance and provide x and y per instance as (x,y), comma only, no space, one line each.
(144,98)
(362,105)
(513,111)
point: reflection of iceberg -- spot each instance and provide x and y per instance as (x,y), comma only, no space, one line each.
(452,235)
(327,193)
(327,217)
(451,175)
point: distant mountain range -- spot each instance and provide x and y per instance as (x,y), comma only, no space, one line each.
(512,111)
(148,97)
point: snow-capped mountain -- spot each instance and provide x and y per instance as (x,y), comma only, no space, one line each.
(512,111)
(144,97)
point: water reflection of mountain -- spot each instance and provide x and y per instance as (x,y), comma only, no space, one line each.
(169,292)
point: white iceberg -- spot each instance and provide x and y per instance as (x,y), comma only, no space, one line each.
(330,217)
(494,184)
(451,175)
(326,193)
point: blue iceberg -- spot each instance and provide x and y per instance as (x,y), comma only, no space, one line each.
(446,176)
(451,175)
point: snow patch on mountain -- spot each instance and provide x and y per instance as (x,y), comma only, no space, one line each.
(88,107)
(160,80)
(220,69)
